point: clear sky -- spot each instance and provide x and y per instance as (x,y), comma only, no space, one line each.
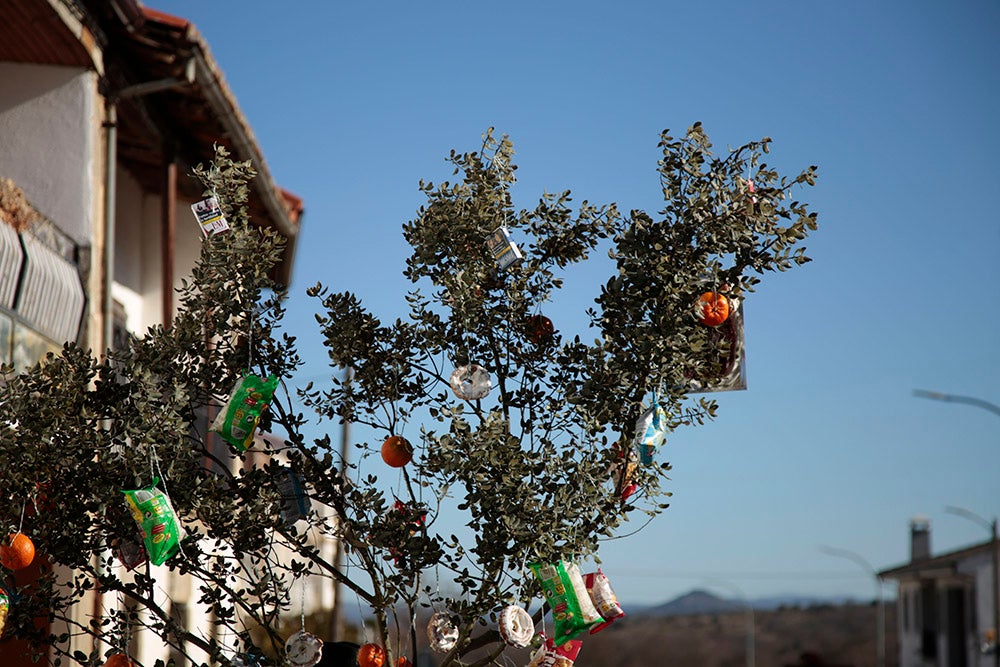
(897,102)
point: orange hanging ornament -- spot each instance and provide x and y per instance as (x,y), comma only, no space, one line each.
(714,309)
(119,660)
(17,552)
(371,655)
(397,451)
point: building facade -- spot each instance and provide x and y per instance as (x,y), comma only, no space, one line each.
(105,107)
(946,604)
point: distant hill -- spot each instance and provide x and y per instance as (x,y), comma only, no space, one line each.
(701,601)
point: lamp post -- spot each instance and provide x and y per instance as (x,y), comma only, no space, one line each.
(991,526)
(880,616)
(751,643)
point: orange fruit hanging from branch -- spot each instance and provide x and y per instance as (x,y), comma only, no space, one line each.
(17,552)
(714,309)
(397,451)
(119,660)
(371,655)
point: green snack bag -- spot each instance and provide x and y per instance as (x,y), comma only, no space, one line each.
(238,418)
(573,612)
(161,532)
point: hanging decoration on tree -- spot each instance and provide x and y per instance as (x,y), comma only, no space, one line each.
(4,608)
(650,431)
(119,660)
(304,649)
(161,531)
(713,309)
(237,419)
(397,451)
(371,655)
(18,551)
(516,627)
(295,502)
(604,599)
(551,655)
(209,215)
(503,248)
(622,470)
(442,634)
(470,383)
(567,597)
(129,552)
(539,329)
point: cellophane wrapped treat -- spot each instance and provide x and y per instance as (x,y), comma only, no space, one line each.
(604,599)
(238,418)
(161,531)
(650,431)
(564,590)
(550,655)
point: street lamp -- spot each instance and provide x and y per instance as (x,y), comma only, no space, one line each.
(992,527)
(880,620)
(751,650)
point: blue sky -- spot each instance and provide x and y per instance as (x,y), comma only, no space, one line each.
(896,102)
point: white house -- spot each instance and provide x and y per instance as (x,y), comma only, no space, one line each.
(105,106)
(946,603)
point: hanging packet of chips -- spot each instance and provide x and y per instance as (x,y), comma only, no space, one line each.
(604,599)
(550,655)
(4,608)
(238,418)
(161,531)
(295,504)
(650,431)
(566,594)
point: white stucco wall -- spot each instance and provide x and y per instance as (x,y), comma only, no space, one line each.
(49,133)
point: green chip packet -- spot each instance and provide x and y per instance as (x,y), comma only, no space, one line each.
(238,418)
(161,531)
(573,612)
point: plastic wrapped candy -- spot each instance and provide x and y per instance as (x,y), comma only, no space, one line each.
(550,655)
(441,632)
(295,504)
(238,418)
(516,626)
(623,469)
(161,532)
(564,590)
(470,383)
(603,597)
(650,431)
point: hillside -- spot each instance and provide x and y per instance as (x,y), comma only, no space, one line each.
(838,634)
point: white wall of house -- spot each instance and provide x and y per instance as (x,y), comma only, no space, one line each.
(49,140)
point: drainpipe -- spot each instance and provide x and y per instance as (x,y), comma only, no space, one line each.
(108,248)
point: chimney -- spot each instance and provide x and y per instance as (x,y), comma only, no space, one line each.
(920,538)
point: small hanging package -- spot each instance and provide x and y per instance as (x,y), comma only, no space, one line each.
(650,431)
(238,418)
(4,608)
(210,216)
(161,531)
(567,597)
(550,655)
(295,503)
(503,248)
(604,599)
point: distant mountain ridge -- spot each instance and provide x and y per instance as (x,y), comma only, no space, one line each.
(699,601)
